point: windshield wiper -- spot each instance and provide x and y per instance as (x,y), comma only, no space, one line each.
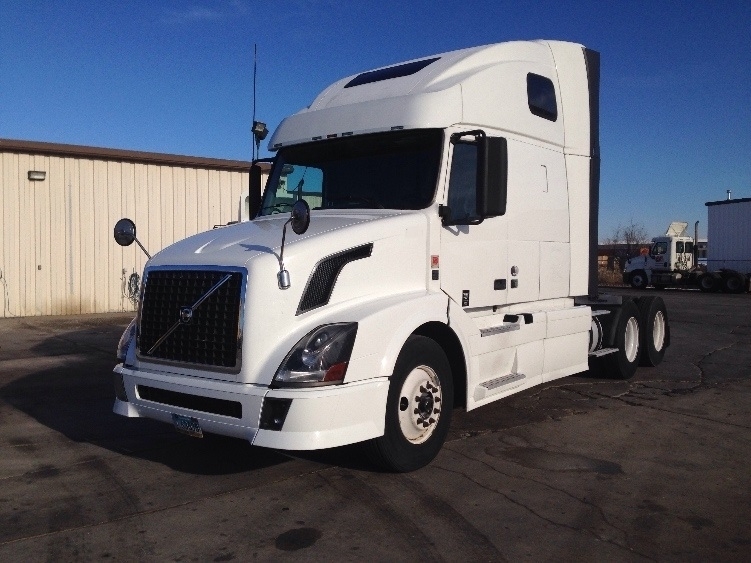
(354,201)
(277,206)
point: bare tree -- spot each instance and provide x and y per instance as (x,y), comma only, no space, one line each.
(633,235)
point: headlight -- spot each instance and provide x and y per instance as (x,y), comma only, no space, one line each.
(125,341)
(320,358)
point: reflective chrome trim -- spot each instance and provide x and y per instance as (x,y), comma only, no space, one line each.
(499,329)
(492,384)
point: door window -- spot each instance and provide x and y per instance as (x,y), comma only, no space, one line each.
(462,199)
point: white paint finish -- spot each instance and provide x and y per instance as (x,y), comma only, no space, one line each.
(484,86)
(471,259)
(555,263)
(250,397)
(390,293)
(524,258)
(57,255)
(360,282)
(538,203)
(571,320)
(526,359)
(329,417)
(376,350)
(574,96)
(577,172)
(496,97)
(318,418)
(565,355)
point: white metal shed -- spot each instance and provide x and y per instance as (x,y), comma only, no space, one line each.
(59,204)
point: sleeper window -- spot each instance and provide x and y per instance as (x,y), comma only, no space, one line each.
(541,97)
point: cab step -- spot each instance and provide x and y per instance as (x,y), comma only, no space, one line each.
(498,384)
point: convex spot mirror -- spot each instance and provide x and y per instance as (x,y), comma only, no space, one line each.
(125,232)
(300,218)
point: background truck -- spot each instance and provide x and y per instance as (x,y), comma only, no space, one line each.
(449,259)
(672,262)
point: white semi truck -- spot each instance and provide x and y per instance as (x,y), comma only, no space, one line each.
(671,262)
(425,241)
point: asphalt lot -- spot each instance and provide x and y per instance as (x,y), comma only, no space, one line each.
(585,468)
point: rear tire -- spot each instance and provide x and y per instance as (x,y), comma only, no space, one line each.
(655,330)
(418,408)
(638,279)
(709,283)
(733,283)
(623,334)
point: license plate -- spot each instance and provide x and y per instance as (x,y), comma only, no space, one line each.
(187,425)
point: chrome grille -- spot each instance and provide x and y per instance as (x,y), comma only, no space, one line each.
(183,320)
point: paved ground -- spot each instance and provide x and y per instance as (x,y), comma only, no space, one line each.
(583,469)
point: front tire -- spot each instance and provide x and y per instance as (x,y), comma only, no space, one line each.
(638,279)
(418,408)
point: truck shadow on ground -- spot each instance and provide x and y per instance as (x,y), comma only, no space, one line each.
(74,397)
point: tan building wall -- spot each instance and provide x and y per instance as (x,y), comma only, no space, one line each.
(57,253)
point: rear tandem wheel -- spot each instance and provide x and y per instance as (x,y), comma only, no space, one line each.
(655,330)
(621,330)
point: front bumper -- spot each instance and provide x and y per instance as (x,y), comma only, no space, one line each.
(319,417)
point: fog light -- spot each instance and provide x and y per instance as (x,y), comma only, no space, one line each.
(120,388)
(273,413)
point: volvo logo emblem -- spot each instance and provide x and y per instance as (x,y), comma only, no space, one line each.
(186,313)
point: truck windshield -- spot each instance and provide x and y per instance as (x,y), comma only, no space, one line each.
(659,248)
(395,170)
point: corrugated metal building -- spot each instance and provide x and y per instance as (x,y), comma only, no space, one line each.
(729,234)
(59,204)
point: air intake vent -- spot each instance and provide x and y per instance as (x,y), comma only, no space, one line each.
(192,402)
(321,282)
(192,316)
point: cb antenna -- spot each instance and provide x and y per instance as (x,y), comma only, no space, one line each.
(259,128)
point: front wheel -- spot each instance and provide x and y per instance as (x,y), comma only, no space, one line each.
(418,408)
(638,279)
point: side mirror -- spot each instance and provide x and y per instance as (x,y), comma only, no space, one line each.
(492,176)
(254,191)
(125,234)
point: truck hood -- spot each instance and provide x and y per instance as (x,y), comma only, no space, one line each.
(238,244)
(384,253)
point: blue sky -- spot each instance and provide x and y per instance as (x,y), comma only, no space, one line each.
(176,77)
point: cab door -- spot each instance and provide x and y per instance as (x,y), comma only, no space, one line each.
(474,253)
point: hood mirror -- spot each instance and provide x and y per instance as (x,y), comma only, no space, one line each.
(300,219)
(125,234)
